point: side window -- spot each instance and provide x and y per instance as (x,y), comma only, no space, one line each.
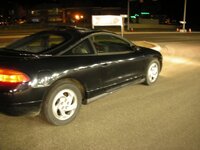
(55,40)
(110,44)
(82,48)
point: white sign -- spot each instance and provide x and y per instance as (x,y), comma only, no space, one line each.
(109,20)
(106,20)
(123,15)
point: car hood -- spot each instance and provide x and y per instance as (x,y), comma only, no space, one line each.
(146,50)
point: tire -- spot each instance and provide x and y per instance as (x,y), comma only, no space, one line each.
(62,103)
(152,72)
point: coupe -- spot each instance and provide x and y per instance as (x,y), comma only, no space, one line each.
(54,72)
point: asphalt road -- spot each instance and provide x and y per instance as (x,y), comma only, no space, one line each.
(165,116)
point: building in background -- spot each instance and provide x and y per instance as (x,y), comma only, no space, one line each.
(47,13)
(70,12)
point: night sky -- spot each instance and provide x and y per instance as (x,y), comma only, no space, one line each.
(171,8)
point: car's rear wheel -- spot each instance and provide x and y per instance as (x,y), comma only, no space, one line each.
(62,103)
(152,72)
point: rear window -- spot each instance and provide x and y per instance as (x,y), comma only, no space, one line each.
(39,42)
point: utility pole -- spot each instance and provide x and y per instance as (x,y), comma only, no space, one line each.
(184,15)
(128,15)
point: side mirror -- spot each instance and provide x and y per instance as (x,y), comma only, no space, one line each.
(135,47)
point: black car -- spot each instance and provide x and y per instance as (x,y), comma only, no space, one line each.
(53,72)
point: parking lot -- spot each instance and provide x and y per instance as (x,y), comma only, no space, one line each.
(160,117)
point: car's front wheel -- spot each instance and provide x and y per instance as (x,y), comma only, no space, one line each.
(152,72)
(62,103)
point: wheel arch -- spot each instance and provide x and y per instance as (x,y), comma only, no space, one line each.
(74,81)
(155,57)
(52,113)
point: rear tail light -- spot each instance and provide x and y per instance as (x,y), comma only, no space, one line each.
(12,76)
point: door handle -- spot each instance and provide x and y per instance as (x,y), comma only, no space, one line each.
(105,64)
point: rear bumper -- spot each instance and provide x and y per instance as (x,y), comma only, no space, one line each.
(24,100)
(18,109)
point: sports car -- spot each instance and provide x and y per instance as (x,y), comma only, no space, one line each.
(54,72)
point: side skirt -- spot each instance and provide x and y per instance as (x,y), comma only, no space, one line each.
(113,90)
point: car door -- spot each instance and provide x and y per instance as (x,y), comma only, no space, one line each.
(87,67)
(120,62)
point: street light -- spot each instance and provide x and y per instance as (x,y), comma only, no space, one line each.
(184,15)
(128,14)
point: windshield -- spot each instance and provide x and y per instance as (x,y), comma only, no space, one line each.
(39,42)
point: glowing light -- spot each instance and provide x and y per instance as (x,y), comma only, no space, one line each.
(145,13)
(181,60)
(77,17)
(13,76)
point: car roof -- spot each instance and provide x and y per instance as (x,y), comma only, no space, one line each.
(72,34)
(77,31)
